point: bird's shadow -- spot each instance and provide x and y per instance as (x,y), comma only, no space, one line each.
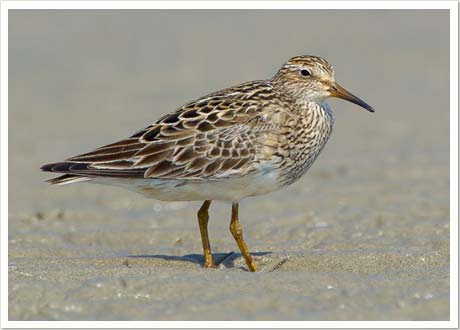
(226,259)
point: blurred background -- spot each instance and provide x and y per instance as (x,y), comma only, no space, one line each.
(363,236)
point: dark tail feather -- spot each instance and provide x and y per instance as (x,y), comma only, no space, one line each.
(63,179)
(63,167)
(77,172)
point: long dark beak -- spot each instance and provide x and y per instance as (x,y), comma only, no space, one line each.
(338,91)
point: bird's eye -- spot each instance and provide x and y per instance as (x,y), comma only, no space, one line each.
(305,72)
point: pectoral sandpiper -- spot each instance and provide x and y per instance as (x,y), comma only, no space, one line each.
(246,140)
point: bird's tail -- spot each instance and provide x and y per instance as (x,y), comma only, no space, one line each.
(68,178)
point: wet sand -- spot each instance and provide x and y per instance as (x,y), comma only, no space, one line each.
(363,236)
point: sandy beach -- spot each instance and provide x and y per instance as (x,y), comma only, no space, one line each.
(363,236)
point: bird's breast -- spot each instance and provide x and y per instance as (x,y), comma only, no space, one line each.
(307,137)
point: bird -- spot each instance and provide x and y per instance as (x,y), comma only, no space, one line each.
(243,141)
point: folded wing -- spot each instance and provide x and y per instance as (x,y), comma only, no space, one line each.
(210,138)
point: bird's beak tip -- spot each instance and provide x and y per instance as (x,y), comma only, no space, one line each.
(369,108)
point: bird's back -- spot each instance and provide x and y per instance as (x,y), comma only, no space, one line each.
(213,137)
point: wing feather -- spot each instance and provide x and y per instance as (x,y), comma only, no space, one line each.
(205,139)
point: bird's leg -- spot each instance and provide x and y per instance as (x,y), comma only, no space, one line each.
(237,233)
(203,218)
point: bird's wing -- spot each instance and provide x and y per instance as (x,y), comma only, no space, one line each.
(209,138)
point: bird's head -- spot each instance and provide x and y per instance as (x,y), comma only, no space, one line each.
(312,78)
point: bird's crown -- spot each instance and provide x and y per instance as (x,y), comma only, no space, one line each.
(314,64)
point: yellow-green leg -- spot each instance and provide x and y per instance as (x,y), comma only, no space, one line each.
(237,233)
(203,218)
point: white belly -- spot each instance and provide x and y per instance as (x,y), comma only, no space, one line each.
(225,189)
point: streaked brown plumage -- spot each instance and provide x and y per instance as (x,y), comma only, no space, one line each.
(242,141)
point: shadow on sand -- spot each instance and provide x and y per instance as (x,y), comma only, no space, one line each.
(225,259)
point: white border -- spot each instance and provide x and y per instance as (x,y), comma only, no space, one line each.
(450,5)
(4,163)
(230,4)
(454,164)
